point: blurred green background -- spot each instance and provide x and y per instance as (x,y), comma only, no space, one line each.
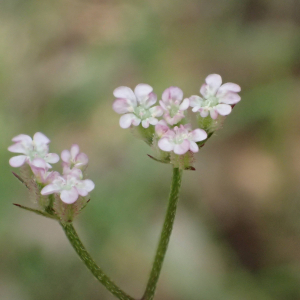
(237,232)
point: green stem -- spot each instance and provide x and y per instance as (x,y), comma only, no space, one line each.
(165,235)
(91,265)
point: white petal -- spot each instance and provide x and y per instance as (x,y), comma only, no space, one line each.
(195,101)
(223,109)
(65,156)
(145,123)
(41,138)
(194,147)
(156,111)
(172,93)
(161,128)
(17,148)
(195,109)
(182,148)
(165,144)
(121,106)
(50,189)
(142,91)
(17,161)
(52,158)
(39,163)
(125,92)
(214,81)
(69,196)
(22,138)
(213,113)
(198,135)
(126,120)
(74,151)
(204,90)
(136,121)
(185,104)
(229,86)
(230,98)
(85,187)
(153,121)
(204,113)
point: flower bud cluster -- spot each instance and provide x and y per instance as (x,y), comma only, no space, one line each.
(166,127)
(35,162)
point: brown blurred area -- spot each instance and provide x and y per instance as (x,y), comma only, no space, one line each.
(237,232)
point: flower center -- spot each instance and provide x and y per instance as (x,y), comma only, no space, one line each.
(210,102)
(142,113)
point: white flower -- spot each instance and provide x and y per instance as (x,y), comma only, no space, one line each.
(40,170)
(136,106)
(74,158)
(173,105)
(218,98)
(31,149)
(69,186)
(181,139)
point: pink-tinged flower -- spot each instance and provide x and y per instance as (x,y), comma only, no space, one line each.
(74,158)
(217,98)
(136,106)
(40,170)
(69,186)
(181,139)
(161,128)
(31,149)
(173,105)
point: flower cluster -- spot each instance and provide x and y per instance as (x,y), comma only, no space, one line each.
(173,133)
(34,153)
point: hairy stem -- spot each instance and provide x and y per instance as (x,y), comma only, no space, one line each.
(90,263)
(165,235)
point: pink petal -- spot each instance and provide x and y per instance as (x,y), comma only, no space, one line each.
(156,111)
(22,138)
(69,196)
(161,128)
(65,156)
(162,104)
(182,148)
(172,93)
(126,120)
(213,113)
(204,90)
(41,138)
(214,81)
(142,91)
(82,158)
(125,92)
(185,104)
(230,98)
(50,189)
(52,158)
(194,147)
(195,109)
(17,161)
(121,106)
(223,109)
(165,145)
(229,87)
(74,151)
(17,148)
(198,135)
(152,98)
